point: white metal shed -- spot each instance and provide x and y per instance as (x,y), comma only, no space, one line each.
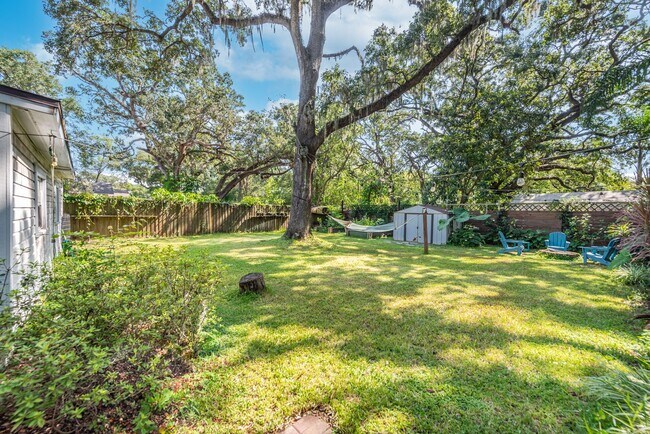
(409,224)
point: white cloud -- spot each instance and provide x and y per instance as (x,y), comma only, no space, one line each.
(345,28)
(348,27)
(279,102)
(40,52)
(276,61)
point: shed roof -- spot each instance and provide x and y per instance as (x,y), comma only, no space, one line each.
(583,196)
(418,209)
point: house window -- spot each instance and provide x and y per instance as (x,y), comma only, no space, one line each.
(41,202)
(57,205)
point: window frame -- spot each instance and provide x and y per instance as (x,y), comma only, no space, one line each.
(40,210)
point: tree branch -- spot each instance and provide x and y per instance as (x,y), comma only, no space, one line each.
(242,22)
(342,53)
(383,102)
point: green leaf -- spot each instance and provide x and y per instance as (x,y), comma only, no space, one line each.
(443,223)
(624,257)
(463,216)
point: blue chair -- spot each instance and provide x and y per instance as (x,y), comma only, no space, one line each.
(512,245)
(557,241)
(601,254)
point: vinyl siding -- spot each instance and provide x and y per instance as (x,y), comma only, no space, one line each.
(31,243)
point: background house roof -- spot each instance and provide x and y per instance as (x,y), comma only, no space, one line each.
(583,196)
(107,189)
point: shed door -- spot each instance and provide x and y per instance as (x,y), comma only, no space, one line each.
(420,221)
(398,220)
(412,227)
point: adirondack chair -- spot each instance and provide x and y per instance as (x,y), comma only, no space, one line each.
(601,254)
(557,241)
(512,245)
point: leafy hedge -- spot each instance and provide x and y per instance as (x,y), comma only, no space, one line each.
(466,236)
(91,204)
(89,351)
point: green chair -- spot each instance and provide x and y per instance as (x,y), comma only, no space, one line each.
(513,245)
(601,254)
(557,241)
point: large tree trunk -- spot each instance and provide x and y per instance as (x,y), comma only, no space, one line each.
(300,217)
(307,142)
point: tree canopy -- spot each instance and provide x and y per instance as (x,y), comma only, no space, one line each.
(454,108)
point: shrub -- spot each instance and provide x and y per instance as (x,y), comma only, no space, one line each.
(178,197)
(251,200)
(466,236)
(581,232)
(102,333)
(637,241)
(368,221)
(624,397)
(637,277)
(509,228)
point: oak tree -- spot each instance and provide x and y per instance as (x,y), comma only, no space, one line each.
(437,30)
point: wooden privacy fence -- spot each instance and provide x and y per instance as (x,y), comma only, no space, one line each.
(148,218)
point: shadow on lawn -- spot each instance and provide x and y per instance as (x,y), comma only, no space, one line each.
(345,295)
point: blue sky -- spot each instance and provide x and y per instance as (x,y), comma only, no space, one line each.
(261,76)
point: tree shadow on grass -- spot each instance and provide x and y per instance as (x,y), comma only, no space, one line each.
(451,361)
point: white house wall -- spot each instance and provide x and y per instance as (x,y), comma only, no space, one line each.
(31,243)
(5,193)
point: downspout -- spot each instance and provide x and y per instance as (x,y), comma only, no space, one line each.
(53,164)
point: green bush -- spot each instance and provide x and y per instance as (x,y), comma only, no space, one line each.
(368,221)
(251,200)
(624,397)
(466,236)
(580,232)
(636,276)
(89,350)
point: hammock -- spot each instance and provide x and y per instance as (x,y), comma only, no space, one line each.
(388,227)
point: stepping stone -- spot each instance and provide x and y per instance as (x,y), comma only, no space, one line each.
(309,425)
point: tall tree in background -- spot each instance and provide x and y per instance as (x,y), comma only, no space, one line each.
(436,32)
(524,101)
(22,70)
(171,103)
(261,146)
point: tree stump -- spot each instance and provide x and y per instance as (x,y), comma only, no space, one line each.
(252,282)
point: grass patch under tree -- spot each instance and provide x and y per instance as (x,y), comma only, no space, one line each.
(389,340)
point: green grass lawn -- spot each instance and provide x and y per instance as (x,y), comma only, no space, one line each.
(389,340)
